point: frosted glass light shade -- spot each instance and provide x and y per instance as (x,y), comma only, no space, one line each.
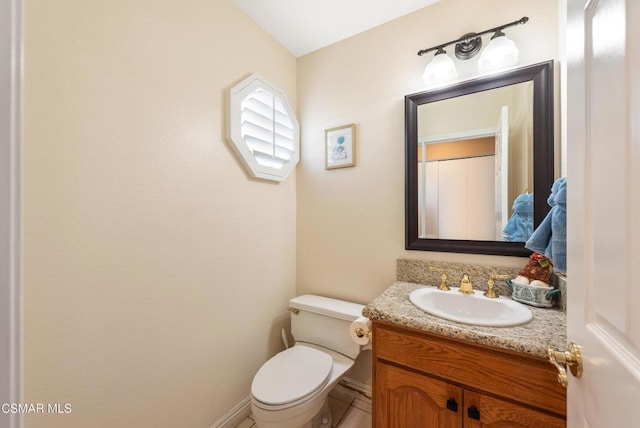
(440,69)
(501,52)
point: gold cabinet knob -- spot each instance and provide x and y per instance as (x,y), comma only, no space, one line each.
(571,358)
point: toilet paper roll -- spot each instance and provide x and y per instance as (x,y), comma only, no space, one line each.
(365,334)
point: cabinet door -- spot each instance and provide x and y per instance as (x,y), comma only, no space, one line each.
(483,411)
(404,399)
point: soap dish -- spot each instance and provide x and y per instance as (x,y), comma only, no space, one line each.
(540,297)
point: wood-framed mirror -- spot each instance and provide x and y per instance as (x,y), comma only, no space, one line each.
(464,177)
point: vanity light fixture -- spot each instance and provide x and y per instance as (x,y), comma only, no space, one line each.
(440,69)
(501,52)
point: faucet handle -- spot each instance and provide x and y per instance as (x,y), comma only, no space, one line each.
(443,278)
(491,293)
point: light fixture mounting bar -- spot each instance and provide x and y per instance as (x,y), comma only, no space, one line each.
(467,37)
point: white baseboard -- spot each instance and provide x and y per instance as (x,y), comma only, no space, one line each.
(243,409)
(235,415)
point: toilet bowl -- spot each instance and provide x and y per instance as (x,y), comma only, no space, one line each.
(291,389)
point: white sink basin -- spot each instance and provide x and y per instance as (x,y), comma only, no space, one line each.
(473,309)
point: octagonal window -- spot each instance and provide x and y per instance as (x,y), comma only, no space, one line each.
(263,130)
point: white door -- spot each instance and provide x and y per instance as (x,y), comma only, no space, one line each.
(603,131)
(453,204)
(428,200)
(502,173)
(465,198)
(10,135)
(480,192)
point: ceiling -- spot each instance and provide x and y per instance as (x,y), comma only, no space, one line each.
(303,26)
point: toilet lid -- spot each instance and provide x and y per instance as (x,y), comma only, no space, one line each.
(291,375)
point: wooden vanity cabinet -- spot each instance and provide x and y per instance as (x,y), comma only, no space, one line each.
(423,380)
(403,398)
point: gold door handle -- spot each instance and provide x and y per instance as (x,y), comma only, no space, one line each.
(571,357)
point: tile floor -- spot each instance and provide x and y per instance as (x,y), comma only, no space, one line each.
(349,409)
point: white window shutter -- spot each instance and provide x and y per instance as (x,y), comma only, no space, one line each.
(263,130)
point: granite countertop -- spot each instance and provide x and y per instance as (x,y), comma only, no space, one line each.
(548,329)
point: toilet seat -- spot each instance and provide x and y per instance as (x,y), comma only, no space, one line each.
(291,377)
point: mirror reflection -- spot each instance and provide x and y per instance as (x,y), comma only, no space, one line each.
(475,196)
(475,166)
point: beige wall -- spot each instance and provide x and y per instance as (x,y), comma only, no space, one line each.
(472,112)
(351,221)
(153,290)
(156,273)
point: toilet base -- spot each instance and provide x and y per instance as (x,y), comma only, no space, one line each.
(311,413)
(322,419)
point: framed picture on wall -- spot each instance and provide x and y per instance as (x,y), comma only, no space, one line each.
(340,147)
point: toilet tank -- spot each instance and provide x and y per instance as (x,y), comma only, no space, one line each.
(324,321)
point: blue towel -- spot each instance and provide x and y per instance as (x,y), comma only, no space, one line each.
(550,238)
(520,225)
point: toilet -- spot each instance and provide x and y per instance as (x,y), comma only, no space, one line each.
(291,389)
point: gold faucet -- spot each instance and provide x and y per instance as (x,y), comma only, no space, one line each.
(443,278)
(491,293)
(466,286)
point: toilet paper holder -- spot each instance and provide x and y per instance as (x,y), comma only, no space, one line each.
(361,332)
